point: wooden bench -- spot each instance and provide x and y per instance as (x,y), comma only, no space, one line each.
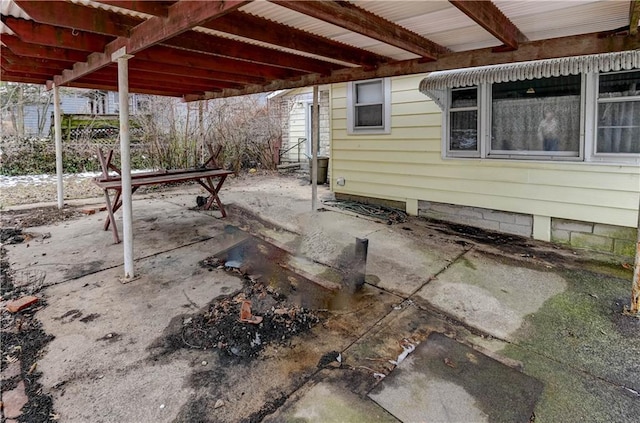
(210,177)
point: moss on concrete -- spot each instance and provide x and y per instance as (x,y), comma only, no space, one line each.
(584,350)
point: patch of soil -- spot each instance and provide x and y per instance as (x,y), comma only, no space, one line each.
(38,216)
(219,327)
(22,338)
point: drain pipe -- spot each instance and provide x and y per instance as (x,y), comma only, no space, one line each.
(360,261)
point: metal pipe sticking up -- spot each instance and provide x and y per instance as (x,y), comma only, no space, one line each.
(360,261)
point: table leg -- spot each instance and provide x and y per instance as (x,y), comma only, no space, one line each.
(110,218)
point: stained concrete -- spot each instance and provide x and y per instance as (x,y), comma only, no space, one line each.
(491,294)
(462,292)
(445,381)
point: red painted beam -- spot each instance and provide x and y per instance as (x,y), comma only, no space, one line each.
(260,29)
(155,8)
(349,16)
(78,17)
(31,75)
(55,36)
(144,84)
(197,41)
(178,70)
(20,48)
(4,77)
(182,16)
(162,54)
(487,15)
(94,85)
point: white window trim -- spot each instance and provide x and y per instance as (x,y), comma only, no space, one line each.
(591,125)
(588,131)
(386,109)
(447,145)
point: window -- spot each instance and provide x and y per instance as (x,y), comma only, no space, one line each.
(368,104)
(618,114)
(590,117)
(536,117)
(463,122)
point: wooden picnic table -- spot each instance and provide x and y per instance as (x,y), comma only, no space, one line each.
(211,178)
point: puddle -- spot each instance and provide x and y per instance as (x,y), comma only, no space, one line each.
(283,273)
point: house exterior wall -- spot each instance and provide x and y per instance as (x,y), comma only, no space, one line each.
(296,123)
(407,166)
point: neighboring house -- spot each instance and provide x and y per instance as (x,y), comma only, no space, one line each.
(549,150)
(296,106)
(38,117)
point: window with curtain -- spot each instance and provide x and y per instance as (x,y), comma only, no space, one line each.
(618,114)
(368,107)
(539,117)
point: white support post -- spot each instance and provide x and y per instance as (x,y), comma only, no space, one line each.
(315,123)
(122,58)
(57,122)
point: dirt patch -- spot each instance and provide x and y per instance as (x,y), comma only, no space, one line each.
(219,327)
(38,216)
(22,339)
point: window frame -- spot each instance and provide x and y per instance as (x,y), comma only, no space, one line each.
(463,153)
(589,101)
(386,108)
(592,121)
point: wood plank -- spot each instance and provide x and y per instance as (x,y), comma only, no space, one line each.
(353,18)
(261,29)
(55,36)
(575,45)
(182,16)
(487,15)
(20,48)
(634,16)
(78,17)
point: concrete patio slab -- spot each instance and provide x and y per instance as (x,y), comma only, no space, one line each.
(445,381)
(329,403)
(491,294)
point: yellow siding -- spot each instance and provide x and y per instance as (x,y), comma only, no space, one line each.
(408,164)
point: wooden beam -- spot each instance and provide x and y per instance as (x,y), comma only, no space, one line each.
(175,69)
(576,45)
(55,36)
(182,16)
(111,87)
(353,18)
(487,15)
(155,8)
(163,54)
(80,18)
(260,29)
(634,16)
(238,50)
(19,78)
(20,48)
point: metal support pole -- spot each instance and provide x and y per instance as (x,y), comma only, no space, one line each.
(57,122)
(125,157)
(360,261)
(315,121)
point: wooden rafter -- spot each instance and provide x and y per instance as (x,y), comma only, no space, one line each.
(634,16)
(196,41)
(182,16)
(155,8)
(260,29)
(353,18)
(576,45)
(487,15)
(55,36)
(80,18)
(162,54)
(21,48)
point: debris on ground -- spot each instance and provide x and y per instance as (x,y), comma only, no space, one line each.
(386,214)
(241,325)
(37,216)
(330,358)
(22,340)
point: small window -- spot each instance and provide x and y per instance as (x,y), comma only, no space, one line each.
(463,122)
(618,118)
(369,108)
(540,117)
